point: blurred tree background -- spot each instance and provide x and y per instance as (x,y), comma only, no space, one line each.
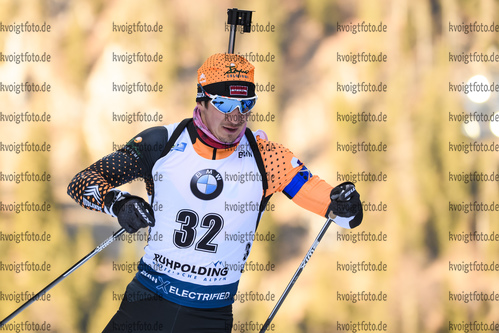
(305,41)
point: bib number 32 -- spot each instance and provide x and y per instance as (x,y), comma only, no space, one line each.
(186,236)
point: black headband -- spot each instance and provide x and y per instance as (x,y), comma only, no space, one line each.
(241,89)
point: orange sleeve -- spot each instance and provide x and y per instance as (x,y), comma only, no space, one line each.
(314,196)
(278,161)
(285,173)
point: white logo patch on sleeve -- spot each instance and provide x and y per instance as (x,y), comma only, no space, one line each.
(93,191)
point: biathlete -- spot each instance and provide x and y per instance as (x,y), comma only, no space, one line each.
(186,281)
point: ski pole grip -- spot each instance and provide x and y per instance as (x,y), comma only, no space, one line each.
(237,17)
(240,17)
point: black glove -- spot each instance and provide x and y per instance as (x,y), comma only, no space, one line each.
(346,205)
(133,212)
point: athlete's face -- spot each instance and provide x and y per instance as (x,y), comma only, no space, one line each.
(225,127)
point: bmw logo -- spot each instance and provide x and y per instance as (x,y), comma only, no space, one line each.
(207,184)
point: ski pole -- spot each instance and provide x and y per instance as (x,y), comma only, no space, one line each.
(237,17)
(63,276)
(298,272)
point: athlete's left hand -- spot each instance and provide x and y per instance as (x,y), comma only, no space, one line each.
(345,206)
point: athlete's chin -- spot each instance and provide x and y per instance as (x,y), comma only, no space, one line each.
(228,140)
(229,134)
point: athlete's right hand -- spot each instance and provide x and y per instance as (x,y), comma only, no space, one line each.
(133,212)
